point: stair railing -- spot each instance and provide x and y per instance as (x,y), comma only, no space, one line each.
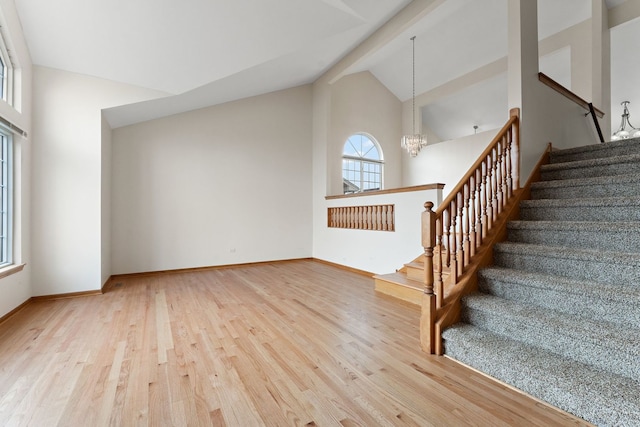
(588,106)
(452,234)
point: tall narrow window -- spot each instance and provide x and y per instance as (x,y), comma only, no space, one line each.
(6,160)
(362,164)
(3,77)
(6,71)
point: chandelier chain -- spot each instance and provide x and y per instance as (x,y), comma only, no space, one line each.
(413,65)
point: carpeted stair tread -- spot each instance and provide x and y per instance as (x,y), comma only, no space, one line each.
(599,265)
(613,236)
(609,149)
(582,209)
(602,344)
(598,396)
(582,298)
(599,186)
(605,166)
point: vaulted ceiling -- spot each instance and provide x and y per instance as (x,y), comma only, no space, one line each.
(212,51)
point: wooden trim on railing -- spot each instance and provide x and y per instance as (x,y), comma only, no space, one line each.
(567,93)
(472,170)
(388,191)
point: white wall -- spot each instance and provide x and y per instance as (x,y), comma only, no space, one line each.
(67,177)
(16,288)
(445,162)
(105,201)
(377,252)
(222,185)
(360,103)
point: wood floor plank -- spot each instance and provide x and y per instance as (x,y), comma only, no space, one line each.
(297,343)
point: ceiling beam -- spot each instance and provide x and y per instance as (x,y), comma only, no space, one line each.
(624,12)
(399,23)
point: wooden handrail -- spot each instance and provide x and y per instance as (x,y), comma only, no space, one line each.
(567,93)
(453,234)
(481,158)
(388,191)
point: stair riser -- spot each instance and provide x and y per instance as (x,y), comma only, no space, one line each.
(589,172)
(412,296)
(612,308)
(603,271)
(415,273)
(580,213)
(611,240)
(614,189)
(532,332)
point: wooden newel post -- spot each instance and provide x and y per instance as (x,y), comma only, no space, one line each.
(428,242)
(428,314)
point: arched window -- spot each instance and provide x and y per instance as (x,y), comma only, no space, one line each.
(361,164)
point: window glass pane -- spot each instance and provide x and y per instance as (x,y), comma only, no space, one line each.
(365,174)
(5,203)
(3,77)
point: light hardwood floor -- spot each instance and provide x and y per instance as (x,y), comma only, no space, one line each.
(291,343)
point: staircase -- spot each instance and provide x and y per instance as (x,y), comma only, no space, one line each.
(558,315)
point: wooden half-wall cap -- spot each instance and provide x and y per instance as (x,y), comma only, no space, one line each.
(437,186)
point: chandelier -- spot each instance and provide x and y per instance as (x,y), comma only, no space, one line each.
(413,143)
(626,130)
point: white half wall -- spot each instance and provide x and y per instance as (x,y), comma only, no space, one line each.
(67,177)
(223,185)
(377,252)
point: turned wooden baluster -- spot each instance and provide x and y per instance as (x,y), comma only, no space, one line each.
(367,217)
(472,215)
(479,235)
(439,249)
(486,208)
(508,165)
(373,222)
(500,200)
(446,218)
(494,186)
(460,255)
(467,223)
(453,260)
(504,187)
(428,313)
